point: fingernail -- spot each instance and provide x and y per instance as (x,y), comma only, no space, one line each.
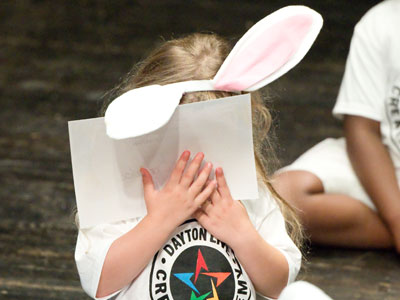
(186,154)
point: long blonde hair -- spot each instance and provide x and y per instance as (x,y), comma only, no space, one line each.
(197,57)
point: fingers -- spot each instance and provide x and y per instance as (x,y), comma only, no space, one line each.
(148,185)
(223,188)
(192,170)
(206,193)
(201,217)
(207,206)
(202,179)
(210,203)
(179,168)
(215,197)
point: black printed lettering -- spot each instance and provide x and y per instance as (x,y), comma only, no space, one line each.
(176,243)
(161,287)
(169,250)
(213,239)
(161,275)
(394,101)
(224,246)
(187,231)
(203,234)
(195,234)
(238,270)
(181,237)
(243,287)
(396,90)
(395,111)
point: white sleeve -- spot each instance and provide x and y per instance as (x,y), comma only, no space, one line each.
(91,249)
(363,86)
(273,230)
(270,224)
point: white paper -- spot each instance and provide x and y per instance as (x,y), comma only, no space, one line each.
(108,184)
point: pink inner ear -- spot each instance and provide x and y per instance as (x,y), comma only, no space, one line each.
(265,54)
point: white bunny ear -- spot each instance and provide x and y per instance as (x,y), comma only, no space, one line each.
(143,110)
(269,49)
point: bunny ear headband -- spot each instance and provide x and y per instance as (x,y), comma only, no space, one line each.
(268,50)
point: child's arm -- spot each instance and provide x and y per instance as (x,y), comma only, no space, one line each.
(227,220)
(374,167)
(166,209)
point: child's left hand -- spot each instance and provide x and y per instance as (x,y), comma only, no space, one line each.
(228,221)
(225,218)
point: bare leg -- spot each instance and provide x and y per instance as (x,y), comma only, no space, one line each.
(332,219)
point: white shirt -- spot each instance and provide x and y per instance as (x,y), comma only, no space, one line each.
(172,272)
(371,83)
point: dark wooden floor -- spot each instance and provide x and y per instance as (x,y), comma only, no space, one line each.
(57,58)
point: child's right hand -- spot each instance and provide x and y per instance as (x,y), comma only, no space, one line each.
(166,209)
(182,195)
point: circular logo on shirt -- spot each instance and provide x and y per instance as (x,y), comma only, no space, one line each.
(194,265)
(203,273)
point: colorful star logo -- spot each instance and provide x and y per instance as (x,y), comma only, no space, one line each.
(201,265)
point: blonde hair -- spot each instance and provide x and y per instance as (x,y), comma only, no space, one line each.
(196,57)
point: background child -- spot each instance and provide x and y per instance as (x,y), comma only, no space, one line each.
(347,189)
(121,259)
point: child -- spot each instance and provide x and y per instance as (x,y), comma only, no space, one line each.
(348,188)
(195,242)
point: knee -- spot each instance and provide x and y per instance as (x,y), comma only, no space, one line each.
(299,182)
(296,186)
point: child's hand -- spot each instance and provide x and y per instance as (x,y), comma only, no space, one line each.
(223,217)
(182,195)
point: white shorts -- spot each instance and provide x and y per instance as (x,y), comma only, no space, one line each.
(328,160)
